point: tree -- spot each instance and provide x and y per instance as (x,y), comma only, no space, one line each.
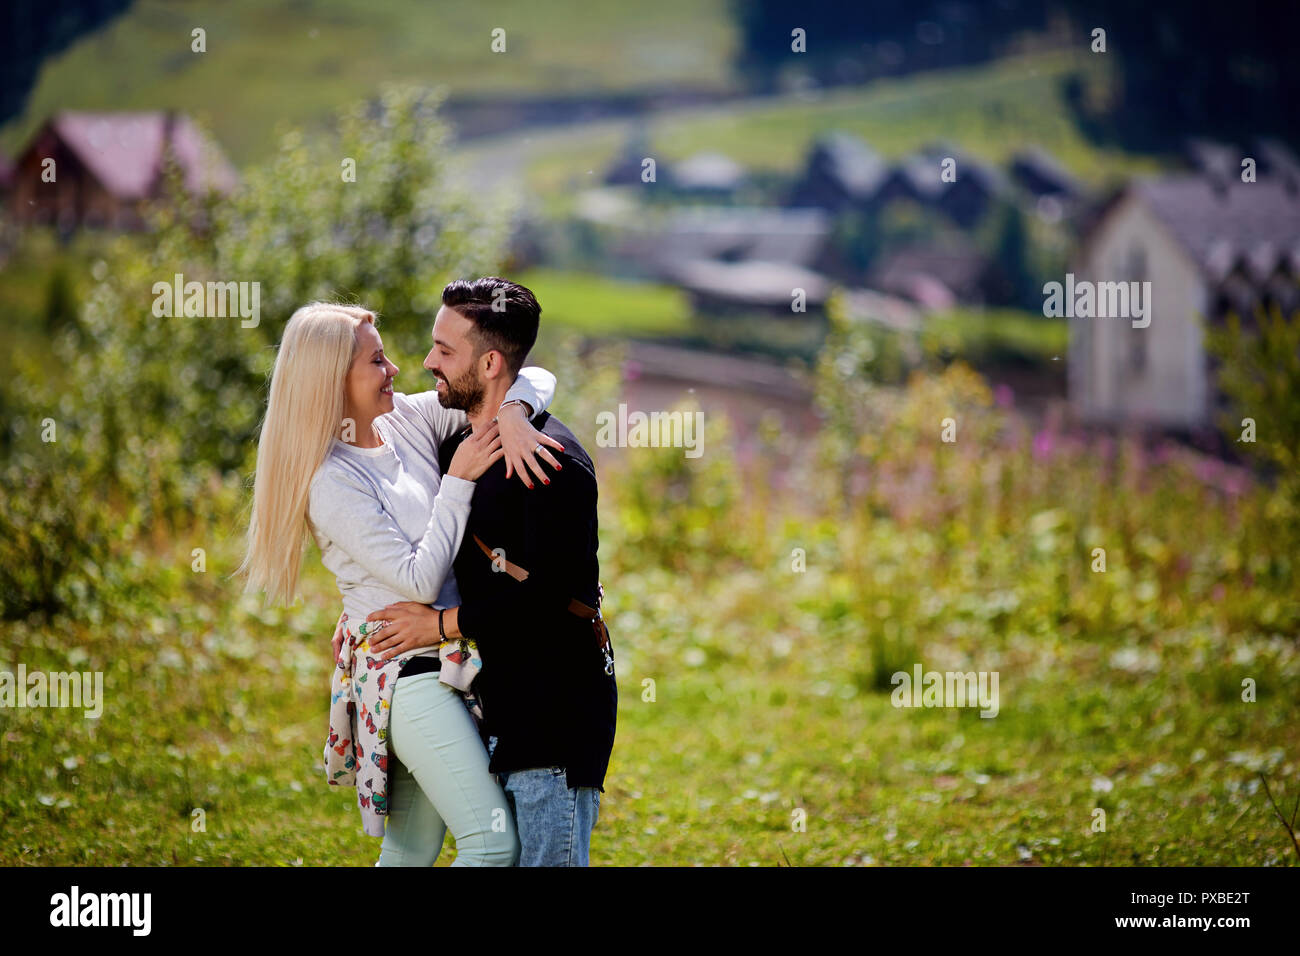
(852,43)
(1207,68)
(1259,374)
(1012,257)
(154,412)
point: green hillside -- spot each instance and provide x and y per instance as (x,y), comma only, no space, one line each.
(988,111)
(297,62)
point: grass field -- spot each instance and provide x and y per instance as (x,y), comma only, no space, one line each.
(751,697)
(594,305)
(985,336)
(268,64)
(212,706)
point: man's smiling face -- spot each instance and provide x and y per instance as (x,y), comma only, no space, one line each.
(453,360)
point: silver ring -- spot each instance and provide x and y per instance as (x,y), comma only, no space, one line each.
(537,448)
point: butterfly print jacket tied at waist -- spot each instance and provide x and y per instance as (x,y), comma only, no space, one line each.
(361,696)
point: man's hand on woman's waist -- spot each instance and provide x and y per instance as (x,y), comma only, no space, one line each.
(410,626)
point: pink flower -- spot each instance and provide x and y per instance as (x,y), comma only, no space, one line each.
(1003,395)
(1044,442)
(1234,483)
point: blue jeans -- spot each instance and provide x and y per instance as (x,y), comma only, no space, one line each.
(554,822)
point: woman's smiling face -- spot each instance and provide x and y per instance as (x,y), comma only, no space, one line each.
(368,390)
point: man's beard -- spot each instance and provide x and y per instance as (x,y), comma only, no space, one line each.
(465,393)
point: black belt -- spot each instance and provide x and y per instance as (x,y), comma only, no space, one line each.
(421,665)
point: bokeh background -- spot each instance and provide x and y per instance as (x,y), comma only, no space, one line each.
(665,177)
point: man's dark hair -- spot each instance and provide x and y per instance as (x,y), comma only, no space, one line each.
(504,313)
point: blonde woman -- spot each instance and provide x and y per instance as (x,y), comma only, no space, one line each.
(346,457)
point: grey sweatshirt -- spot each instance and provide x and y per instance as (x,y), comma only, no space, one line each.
(387,521)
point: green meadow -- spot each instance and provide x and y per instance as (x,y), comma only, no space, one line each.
(271,65)
(758,621)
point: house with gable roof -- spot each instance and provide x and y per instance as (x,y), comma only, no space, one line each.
(107,165)
(842,172)
(1209,245)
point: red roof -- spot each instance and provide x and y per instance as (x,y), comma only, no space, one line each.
(124,151)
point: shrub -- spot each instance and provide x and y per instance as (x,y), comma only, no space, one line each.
(151,412)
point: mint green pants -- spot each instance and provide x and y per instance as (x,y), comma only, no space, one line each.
(440,782)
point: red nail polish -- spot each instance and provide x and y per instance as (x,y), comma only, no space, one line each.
(546,481)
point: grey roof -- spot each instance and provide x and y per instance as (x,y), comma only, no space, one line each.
(849,161)
(1276,159)
(1213,157)
(1273,158)
(990,177)
(1254,225)
(626,166)
(923,169)
(1043,166)
(922,175)
(960,267)
(867,305)
(712,171)
(751,282)
(796,236)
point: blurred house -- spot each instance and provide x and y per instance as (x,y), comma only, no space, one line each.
(1208,246)
(107,165)
(1276,161)
(1054,192)
(1213,158)
(750,286)
(1037,171)
(973,190)
(978,188)
(887,311)
(607,206)
(626,168)
(937,277)
(842,172)
(729,234)
(707,174)
(915,178)
(737,258)
(1224,160)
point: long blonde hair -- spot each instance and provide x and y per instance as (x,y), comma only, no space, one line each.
(303,415)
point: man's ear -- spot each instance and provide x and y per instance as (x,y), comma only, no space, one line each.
(494,365)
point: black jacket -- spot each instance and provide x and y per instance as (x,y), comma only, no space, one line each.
(544,690)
